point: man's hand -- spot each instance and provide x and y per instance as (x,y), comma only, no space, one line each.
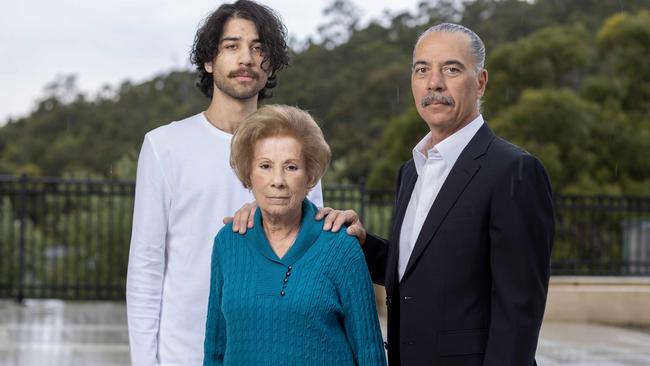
(243,218)
(335,218)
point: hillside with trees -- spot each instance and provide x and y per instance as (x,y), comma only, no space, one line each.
(568,80)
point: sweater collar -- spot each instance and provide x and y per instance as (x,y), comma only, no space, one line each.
(309,231)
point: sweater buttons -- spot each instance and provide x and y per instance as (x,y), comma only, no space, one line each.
(285,280)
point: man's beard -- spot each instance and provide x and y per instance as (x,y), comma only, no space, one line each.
(240,92)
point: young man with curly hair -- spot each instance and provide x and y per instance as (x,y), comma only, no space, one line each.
(185,185)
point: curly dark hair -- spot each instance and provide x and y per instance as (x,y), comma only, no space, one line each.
(270,28)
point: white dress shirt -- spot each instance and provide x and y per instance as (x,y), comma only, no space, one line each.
(433,167)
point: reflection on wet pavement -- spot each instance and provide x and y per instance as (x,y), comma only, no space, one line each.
(57,333)
(592,345)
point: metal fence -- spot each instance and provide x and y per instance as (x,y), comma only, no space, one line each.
(65,239)
(601,235)
(69,239)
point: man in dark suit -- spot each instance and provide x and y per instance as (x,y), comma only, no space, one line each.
(467,265)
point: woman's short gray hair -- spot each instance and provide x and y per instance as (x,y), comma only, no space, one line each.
(476,44)
(279,120)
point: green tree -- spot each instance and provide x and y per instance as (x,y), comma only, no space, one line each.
(357,86)
(558,127)
(622,40)
(551,57)
(401,134)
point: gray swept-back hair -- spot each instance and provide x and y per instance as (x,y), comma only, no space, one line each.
(476,44)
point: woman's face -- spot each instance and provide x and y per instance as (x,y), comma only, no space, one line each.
(279,176)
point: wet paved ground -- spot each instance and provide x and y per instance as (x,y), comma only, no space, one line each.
(55,333)
(592,345)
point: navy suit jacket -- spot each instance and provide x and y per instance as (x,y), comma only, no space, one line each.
(475,286)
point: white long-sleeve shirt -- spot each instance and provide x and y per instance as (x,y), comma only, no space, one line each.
(184,188)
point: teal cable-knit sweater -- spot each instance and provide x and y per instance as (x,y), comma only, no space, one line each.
(313,306)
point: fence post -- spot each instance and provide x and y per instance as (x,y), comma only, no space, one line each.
(22,213)
(362,197)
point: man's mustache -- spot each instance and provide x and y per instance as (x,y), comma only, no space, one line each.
(437,98)
(244,72)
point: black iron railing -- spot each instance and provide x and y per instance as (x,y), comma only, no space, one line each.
(69,239)
(602,235)
(64,239)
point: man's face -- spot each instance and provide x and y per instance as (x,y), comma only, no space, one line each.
(445,84)
(237,69)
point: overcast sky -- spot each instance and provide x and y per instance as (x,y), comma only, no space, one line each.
(108,41)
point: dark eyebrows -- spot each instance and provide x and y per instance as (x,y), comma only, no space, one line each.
(454,63)
(451,62)
(418,63)
(235,39)
(225,39)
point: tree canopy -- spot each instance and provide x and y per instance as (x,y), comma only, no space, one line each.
(568,80)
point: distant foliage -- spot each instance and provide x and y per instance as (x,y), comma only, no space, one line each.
(568,80)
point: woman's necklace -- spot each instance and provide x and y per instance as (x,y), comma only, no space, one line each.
(295,236)
(292,242)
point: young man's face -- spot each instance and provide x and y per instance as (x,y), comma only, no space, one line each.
(237,69)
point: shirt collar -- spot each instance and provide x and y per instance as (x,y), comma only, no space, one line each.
(448,149)
(309,231)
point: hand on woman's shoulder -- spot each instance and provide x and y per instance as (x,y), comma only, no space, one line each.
(344,245)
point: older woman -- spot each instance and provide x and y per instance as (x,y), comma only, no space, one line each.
(287,292)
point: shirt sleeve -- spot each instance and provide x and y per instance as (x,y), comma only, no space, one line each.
(147,256)
(360,313)
(316,195)
(214,346)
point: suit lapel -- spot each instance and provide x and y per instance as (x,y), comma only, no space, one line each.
(403,198)
(460,175)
